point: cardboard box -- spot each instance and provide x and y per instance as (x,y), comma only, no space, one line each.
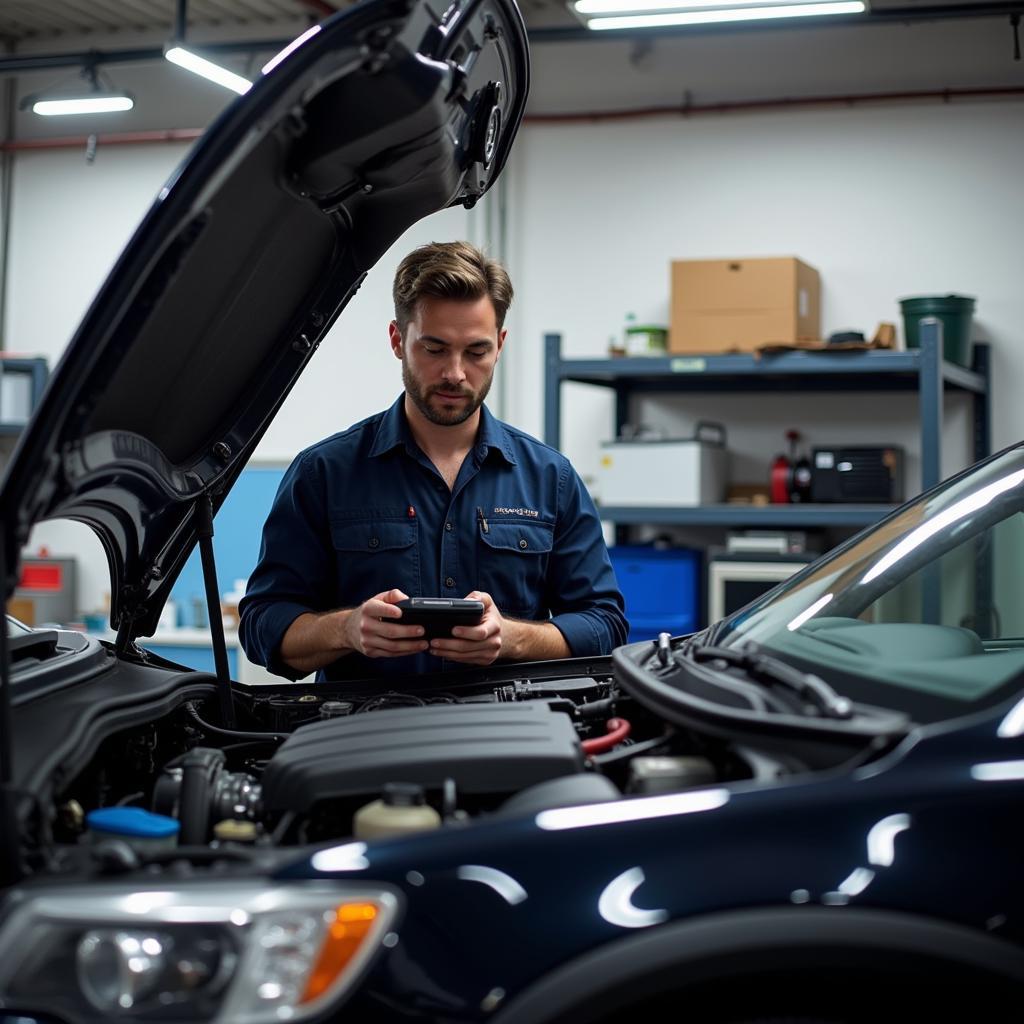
(740,305)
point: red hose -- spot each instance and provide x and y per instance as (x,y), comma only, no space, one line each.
(618,730)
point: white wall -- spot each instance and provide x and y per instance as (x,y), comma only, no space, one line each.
(886,202)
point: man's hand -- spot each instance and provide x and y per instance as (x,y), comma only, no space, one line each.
(497,637)
(313,641)
(371,628)
(474,645)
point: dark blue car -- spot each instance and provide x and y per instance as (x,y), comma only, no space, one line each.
(810,811)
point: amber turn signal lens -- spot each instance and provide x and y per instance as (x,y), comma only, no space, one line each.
(345,934)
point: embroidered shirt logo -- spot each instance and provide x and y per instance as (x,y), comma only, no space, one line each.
(502,511)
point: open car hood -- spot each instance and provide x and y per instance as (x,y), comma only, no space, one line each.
(387,113)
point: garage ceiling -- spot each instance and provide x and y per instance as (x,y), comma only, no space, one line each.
(71,22)
(64,21)
(53,19)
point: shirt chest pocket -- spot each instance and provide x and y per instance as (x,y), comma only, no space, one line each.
(513,566)
(374,554)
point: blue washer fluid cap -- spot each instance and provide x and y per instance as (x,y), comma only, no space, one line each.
(132,822)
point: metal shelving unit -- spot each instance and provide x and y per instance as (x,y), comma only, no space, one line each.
(22,382)
(34,372)
(922,371)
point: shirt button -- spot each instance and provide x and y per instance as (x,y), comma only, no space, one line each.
(523,544)
(449,581)
(374,542)
(448,527)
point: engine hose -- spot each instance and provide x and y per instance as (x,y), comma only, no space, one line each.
(194,802)
(633,749)
(216,730)
(618,730)
(596,708)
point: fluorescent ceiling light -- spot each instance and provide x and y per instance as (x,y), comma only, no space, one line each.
(207,69)
(727,14)
(83,105)
(99,96)
(653,6)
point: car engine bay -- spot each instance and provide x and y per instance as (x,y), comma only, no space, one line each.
(303,761)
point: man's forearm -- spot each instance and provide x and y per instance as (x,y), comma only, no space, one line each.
(313,641)
(533,641)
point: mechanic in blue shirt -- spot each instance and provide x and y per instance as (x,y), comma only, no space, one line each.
(432,498)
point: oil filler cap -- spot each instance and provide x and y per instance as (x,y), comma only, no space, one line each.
(403,794)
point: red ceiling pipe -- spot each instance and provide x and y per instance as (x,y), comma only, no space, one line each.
(115,139)
(688,109)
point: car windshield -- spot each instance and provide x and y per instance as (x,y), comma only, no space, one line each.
(925,610)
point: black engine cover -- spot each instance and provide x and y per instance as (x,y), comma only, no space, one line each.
(485,748)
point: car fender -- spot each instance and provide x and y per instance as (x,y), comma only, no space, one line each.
(724,948)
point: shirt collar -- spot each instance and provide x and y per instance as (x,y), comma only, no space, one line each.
(393,430)
(492,436)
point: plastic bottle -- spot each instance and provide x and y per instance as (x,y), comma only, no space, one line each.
(168,615)
(401,810)
(229,604)
(629,323)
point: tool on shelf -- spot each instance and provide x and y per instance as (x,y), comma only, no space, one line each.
(791,474)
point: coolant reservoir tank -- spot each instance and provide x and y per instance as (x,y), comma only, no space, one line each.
(401,809)
(145,832)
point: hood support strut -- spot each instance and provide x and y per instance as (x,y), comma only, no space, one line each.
(10,854)
(204,529)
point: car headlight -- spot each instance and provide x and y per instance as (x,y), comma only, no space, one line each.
(200,951)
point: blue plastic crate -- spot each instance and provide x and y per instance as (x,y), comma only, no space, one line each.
(661,587)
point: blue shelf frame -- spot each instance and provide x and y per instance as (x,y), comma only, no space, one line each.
(792,517)
(921,370)
(36,369)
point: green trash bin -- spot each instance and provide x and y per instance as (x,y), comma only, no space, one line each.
(955,312)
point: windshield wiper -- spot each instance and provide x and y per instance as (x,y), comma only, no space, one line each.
(808,686)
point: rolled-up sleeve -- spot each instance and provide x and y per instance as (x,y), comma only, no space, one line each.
(584,598)
(294,574)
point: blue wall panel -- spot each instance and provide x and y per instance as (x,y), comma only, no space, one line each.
(236,539)
(198,658)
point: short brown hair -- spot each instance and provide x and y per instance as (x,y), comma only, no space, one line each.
(449,270)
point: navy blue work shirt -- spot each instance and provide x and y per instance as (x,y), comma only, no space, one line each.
(365,510)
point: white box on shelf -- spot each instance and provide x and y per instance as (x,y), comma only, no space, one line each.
(15,397)
(662,474)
